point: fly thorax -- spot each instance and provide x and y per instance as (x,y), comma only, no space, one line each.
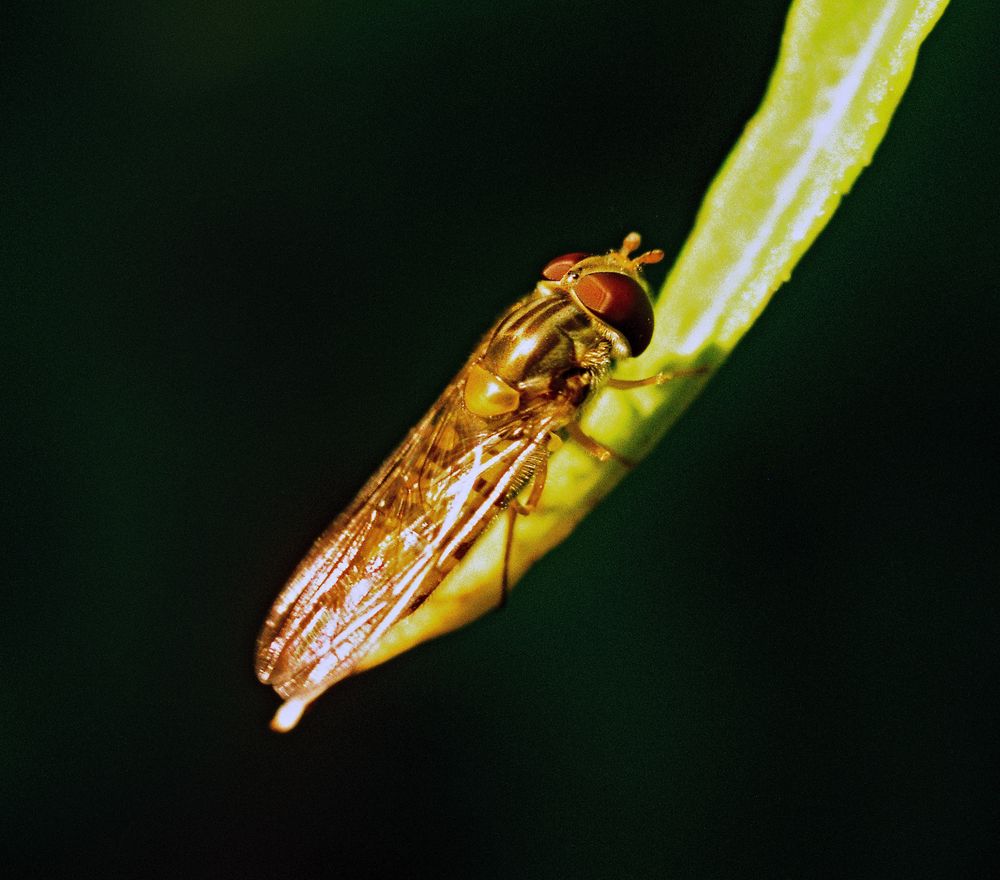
(535,347)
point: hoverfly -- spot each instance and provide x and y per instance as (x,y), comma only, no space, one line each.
(487,436)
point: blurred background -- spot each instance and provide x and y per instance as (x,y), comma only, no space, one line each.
(244,247)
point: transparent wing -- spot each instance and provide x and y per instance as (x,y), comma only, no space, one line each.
(407,527)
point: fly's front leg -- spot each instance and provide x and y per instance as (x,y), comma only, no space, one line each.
(604,453)
(515,509)
(658,379)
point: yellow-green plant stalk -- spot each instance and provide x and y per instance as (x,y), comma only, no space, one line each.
(842,69)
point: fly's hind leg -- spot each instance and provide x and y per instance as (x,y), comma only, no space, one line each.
(514,510)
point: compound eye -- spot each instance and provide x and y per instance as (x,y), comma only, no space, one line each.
(621,303)
(555,269)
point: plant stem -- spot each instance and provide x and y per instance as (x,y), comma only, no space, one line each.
(841,72)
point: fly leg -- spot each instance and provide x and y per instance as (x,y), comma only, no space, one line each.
(604,453)
(658,379)
(515,509)
(595,448)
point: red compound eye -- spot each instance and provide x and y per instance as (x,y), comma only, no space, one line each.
(555,269)
(620,302)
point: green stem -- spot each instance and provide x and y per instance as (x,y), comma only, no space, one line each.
(842,70)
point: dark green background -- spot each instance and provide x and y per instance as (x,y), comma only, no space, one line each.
(243,249)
